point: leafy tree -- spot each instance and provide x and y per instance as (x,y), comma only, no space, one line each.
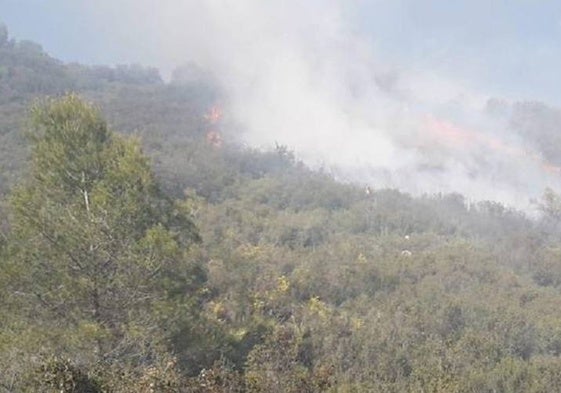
(97,251)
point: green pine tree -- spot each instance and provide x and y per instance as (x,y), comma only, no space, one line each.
(97,254)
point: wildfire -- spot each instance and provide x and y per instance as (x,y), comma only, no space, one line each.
(449,135)
(213,117)
(214,139)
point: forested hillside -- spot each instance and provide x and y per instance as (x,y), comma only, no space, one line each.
(143,250)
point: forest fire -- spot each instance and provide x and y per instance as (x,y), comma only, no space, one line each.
(213,118)
(214,115)
(446,134)
(214,139)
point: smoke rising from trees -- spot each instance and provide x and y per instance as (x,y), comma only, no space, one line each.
(305,76)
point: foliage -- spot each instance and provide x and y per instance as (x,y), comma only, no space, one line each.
(265,276)
(97,252)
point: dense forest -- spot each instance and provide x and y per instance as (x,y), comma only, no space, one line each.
(140,252)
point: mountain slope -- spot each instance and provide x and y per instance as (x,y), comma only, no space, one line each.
(307,284)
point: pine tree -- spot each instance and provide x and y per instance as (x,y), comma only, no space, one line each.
(98,253)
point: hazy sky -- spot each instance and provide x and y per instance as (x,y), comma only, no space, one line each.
(509,47)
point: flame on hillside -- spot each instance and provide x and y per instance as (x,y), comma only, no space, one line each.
(213,118)
(443,133)
(214,115)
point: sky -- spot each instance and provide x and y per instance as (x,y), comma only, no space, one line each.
(388,93)
(507,47)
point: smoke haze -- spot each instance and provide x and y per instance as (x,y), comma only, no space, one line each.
(310,75)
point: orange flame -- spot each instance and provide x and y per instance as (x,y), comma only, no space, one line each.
(214,115)
(446,133)
(214,139)
(450,135)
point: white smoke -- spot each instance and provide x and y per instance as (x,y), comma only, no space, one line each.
(301,74)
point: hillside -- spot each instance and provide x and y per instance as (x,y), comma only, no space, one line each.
(261,275)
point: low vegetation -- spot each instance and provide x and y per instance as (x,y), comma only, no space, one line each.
(163,263)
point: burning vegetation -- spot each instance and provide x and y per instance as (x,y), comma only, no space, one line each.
(213,119)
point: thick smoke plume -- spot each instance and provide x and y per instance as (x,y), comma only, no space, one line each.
(302,74)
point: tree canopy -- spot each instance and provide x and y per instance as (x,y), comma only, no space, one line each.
(95,247)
